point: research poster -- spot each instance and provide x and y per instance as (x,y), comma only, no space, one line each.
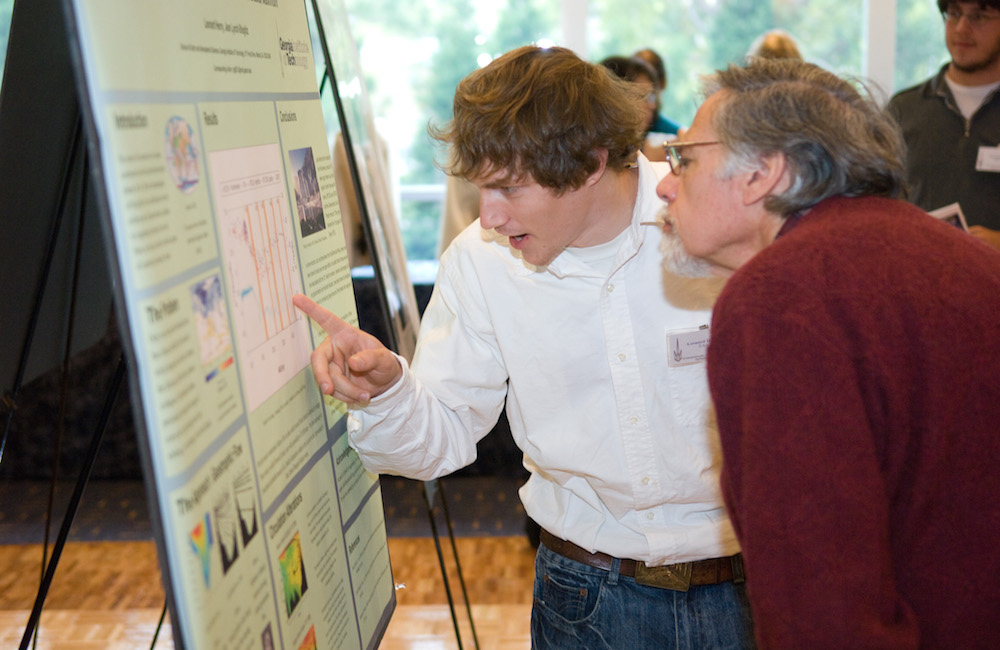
(207,127)
(368,153)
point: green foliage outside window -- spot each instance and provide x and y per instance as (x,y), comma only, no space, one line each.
(414,53)
(699,36)
(444,41)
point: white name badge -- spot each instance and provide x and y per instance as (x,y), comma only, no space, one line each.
(687,347)
(988,159)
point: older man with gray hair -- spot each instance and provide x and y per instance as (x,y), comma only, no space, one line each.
(853,365)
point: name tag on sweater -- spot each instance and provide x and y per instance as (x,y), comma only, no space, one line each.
(687,347)
(988,159)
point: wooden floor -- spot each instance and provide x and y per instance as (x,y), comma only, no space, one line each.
(108,595)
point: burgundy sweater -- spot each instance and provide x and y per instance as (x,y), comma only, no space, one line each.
(855,368)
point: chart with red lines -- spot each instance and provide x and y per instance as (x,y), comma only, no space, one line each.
(257,237)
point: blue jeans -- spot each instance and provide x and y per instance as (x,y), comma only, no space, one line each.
(577,606)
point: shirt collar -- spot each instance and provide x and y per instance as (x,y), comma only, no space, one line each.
(646,205)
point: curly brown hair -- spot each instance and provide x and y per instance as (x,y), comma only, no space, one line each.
(542,113)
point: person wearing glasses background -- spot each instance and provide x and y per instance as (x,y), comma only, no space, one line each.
(853,366)
(644,75)
(662,123)
(951,122)
(554,306)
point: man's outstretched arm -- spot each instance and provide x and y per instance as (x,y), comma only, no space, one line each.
(350,365)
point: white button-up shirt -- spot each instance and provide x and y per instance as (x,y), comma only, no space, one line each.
(622,450)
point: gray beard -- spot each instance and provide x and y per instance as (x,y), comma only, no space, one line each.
(676,260)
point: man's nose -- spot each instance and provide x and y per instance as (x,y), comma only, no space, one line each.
(666,189)
(490,214)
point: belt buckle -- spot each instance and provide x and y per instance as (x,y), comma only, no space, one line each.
(671,576)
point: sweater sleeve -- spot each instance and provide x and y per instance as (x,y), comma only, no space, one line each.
(802,477)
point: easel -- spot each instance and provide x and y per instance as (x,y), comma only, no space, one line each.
(433,489)
(76,168)
(74,174)
(37,164)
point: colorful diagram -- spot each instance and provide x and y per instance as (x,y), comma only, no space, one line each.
(309,640)
(181,154)
(293,574)
(201,544)
(210,319)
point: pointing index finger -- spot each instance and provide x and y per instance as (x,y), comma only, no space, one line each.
(323,317)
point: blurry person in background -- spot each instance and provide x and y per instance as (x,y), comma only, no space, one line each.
(643,75)
(951,122)
(661,123)
(775,44)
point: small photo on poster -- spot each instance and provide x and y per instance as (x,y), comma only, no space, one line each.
(293,574)
(226,532)
(235,516)
(244,492)
(307,196)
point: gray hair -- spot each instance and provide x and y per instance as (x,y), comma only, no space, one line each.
(837,141)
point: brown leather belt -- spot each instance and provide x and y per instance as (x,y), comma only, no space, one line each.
(672,576)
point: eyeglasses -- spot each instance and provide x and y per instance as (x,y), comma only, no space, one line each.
(673,151)
(975,18)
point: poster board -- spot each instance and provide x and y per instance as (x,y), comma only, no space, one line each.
(207,137)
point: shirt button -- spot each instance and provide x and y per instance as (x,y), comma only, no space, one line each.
(645,480)
(611,288)
(650,516)
(633,420)
(622,357)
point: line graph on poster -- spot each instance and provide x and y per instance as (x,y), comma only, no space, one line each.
(262,270)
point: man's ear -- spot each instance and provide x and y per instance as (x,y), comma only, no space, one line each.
(602,159)
(771,176)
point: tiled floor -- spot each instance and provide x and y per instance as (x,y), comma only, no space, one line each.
(96,603)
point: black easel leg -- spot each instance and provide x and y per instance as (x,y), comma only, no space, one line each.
(159,626)
(10,397)
(88,465)
(430,489)
(64,368)
(458,565)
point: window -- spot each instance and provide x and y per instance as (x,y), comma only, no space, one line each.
(920,48)
(696,37)
(414,54)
